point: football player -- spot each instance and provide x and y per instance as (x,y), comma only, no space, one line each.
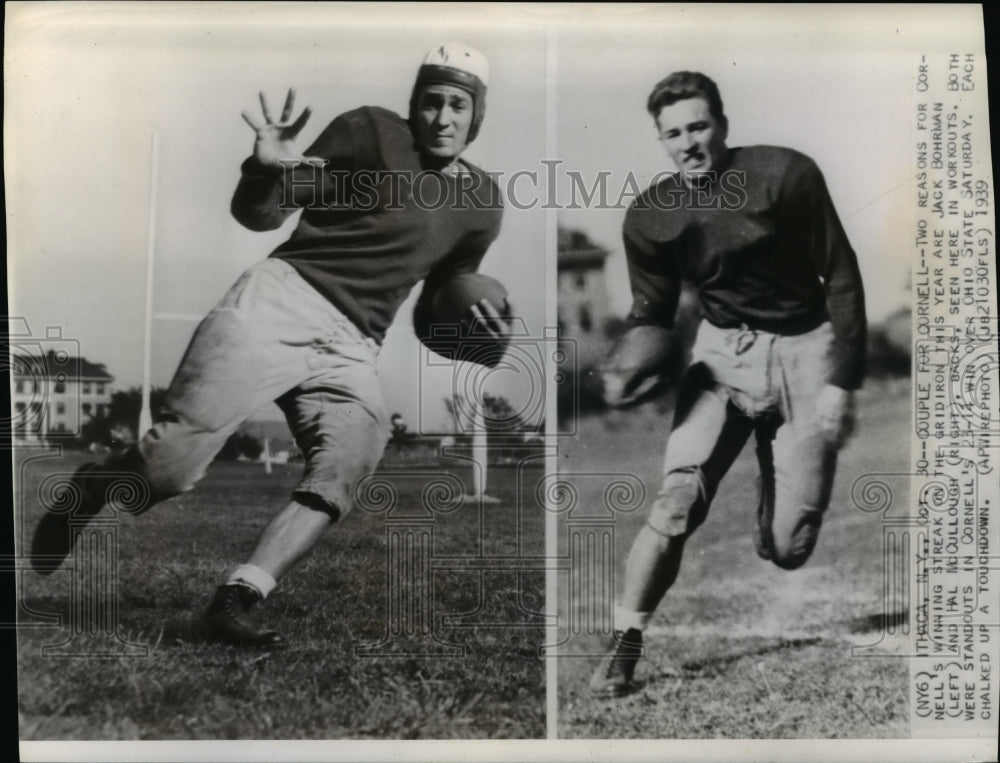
(385,201)
(778,354)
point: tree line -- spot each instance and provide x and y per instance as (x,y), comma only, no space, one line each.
(116,424)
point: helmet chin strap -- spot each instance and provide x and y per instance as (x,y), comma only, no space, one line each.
(444,75)
(435,74)
(458,65)
(455,63)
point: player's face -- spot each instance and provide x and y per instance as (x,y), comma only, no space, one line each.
(444,116)
(695,140)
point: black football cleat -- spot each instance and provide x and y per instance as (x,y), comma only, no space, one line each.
(762,541)
(763,535)
(613,677)
(73,506)
(226,621)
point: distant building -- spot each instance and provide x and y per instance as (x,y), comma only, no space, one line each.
(54,394)
(582,293)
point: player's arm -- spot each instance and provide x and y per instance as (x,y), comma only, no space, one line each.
(837,266)
(464,258)
(638,363)
(278,178)
(490,323)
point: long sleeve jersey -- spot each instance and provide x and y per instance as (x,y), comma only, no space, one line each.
(762,245)
(374,222)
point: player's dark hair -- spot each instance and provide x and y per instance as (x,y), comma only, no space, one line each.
(680,86)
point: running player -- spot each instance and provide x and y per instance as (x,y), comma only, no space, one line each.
(386,201)
(779,352)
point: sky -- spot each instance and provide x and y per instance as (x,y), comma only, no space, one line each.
(835,86)
(86,88)
(87,85)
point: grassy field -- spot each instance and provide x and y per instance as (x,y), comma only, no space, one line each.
(321,687)
(739,648)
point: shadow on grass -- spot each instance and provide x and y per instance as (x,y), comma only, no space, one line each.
(879,622)
(712,666)
(179,632)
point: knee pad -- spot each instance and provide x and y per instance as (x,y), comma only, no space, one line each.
(679,507)
(317,502)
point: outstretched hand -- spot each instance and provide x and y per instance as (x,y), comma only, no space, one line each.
(276,140)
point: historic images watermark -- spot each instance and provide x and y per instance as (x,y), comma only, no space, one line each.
(313,183)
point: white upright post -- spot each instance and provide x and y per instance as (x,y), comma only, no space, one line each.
(480,455)
(267,455)
(145,413)
(456,418)
(479,452)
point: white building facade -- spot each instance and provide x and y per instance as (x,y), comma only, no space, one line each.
(55,394)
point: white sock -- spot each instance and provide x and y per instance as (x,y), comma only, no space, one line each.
(625,619)
(253,576)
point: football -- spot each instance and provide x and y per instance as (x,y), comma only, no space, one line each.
(455,333)
(454,299)
(638,364)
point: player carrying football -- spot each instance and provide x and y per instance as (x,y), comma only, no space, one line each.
(778,354)
(303,328)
